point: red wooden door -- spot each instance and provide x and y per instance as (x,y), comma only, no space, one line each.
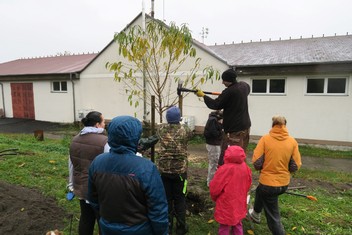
(22,100)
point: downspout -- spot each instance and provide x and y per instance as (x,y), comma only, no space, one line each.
(3,98)
(73,98)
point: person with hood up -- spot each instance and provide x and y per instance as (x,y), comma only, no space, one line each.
(229,189)
(213,137)
(125,188)
(276,156)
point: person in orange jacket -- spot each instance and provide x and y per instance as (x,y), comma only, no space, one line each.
(276,156)
(229,189)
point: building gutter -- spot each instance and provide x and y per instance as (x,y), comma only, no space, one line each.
(3,98)
(73,98)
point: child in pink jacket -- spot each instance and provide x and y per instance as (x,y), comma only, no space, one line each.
(229,189)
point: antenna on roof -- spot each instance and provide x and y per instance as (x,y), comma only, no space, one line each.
(204,33)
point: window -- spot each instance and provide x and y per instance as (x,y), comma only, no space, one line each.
(268,86)
(326,86)
(59,86)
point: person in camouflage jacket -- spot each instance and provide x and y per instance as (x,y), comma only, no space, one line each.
(172,165)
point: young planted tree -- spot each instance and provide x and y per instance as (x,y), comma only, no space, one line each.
(154,57)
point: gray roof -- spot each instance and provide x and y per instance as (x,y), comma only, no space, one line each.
(332,49)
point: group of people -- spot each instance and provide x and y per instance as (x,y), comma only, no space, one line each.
(276,156)
(128,194)
(122,191)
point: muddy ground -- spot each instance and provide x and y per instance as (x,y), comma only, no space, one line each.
(27,211)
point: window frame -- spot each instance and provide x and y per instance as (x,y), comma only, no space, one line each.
(326,84)
(60,89)
(267,92)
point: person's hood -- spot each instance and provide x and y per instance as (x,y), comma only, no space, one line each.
(91,129)
(124,133)
(217,115)
(234,154)
(279,132)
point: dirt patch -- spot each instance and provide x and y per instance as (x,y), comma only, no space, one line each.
(27,211)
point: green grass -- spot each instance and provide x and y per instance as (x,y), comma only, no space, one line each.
(305,150)
(43,165)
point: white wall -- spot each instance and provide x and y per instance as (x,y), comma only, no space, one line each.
(308,117)
(48,106)
(7,99)
(52,106)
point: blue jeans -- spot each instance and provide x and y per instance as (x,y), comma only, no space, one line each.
(267,198)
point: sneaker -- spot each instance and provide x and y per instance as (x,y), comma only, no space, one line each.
(255,217)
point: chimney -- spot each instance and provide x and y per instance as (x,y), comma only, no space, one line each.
(152,13)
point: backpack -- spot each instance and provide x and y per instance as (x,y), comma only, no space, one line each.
(213,129)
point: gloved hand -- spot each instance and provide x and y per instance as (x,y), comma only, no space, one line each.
(200,93)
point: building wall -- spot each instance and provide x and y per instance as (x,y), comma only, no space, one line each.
(6,100)
(112,99)
(48,106)
(310,117)
(52,106)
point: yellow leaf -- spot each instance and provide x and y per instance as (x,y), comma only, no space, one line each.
(294,228)
(22,209)
(303,229)
(52,161)
(22,165)
(210,221)
(250,232)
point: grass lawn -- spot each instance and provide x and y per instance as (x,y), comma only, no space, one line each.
(43,165)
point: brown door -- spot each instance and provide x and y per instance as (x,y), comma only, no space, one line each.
(22,100)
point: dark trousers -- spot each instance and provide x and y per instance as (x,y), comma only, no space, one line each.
(87,219)
(175,190)
(240,138)
(267,198)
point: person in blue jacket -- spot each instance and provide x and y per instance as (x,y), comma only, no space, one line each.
(125,188)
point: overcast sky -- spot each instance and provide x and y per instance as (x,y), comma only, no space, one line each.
(33,28)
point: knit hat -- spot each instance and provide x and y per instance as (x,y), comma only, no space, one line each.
(173,115)
(229,75)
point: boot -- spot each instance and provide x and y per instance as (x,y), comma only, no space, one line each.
(171,222)
(181,226)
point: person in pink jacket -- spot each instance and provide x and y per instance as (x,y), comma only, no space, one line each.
(229,189)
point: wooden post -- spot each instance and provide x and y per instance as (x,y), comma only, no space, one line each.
(152,150)
(180,104)
(39,135)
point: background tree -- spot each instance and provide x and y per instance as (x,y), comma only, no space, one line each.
(156,54)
